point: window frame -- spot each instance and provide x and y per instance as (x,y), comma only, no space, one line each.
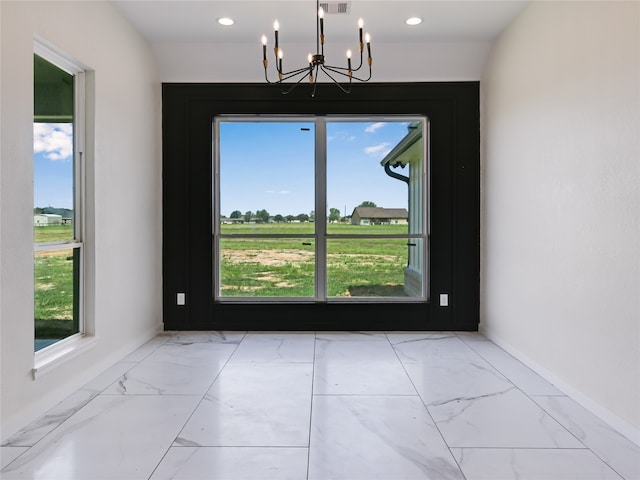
(69,346)
(320,235)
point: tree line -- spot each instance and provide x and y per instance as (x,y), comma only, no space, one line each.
(264,216)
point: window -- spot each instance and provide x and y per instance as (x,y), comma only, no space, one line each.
(58,198)
(320,209)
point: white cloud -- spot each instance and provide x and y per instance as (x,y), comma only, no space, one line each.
(55,140)
(374,126)
(379,150)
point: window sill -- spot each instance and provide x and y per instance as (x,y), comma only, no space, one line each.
(59,353)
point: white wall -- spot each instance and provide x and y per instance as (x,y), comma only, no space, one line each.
(124,238)
(560,281)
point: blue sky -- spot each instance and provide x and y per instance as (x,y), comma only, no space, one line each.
(264,165)
(270,166)
(53,165)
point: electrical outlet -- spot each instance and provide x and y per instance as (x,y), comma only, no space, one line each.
(180,299)
(444,299)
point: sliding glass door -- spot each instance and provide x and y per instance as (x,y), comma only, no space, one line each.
(320,209)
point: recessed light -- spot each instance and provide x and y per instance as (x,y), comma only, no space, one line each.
(225,21)
(414,21)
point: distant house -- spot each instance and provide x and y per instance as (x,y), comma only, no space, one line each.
(46,219)
(379,216)
(231,221)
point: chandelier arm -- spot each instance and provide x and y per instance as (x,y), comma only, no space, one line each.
(338,84)
(355,77)
(285,91)
(293,73)
(278,63)
(313,91)
(341,70)
(291,86)
(338,71)
(361,60)
(287,75)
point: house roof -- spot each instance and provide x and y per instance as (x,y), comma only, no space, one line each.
(395,155)
(379,212)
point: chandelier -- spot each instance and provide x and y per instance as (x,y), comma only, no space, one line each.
(341,76)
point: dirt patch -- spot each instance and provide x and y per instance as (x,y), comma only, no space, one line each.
(269,257)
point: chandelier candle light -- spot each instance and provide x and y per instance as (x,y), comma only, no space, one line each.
(316,63)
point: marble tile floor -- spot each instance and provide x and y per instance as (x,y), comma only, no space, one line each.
(319,406)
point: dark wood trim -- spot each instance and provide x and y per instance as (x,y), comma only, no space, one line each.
(453,111)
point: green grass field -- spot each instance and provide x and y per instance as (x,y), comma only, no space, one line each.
(53,287)
(284,267)
(53,233)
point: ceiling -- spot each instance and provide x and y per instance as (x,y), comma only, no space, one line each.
(188,21)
